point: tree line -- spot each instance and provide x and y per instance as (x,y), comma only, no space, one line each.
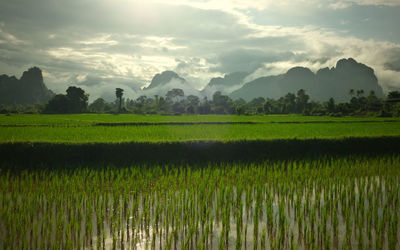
(175,102)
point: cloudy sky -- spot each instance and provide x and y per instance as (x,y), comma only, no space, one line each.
(103,44)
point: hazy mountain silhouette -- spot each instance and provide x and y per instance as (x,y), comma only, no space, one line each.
(165,78)
(29,89)
(166,81)
(335,82)
(225,84)
(325,83)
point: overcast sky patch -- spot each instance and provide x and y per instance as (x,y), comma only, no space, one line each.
(124,43)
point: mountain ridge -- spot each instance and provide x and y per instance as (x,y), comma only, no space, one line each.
(322,85)
(325,83)
(29,89)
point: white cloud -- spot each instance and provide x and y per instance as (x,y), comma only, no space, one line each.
(125,42)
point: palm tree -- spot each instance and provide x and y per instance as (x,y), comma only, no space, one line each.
(351,92)
(119,92)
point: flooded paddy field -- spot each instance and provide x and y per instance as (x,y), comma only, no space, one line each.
(351,202)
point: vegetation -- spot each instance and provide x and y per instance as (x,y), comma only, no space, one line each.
(214,132)
(289,104)
(320,203)
(119,92)
(75,101)
(176,103)
(127,181)
(85,120)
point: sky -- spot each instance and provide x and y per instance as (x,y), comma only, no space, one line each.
(100,45)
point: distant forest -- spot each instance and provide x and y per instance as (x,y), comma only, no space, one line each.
(175,102)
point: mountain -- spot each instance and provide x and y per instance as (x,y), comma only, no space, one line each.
(225,84)
(348,74)
(166,81)
(164,78)
(29,89)
(335,82)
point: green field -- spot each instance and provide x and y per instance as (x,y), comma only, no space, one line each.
(195,132)
(277,182)
(89,119)
(81,129)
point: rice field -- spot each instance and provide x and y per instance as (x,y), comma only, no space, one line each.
(90,119)
(197,132)
(257,182)
(345,203)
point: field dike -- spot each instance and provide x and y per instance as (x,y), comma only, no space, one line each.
(32,154)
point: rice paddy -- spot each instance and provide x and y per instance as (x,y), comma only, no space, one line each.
(85,129)
(303,185)
(318,204)
(89,119)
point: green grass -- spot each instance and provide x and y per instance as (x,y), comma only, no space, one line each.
(168,133)
(89,119)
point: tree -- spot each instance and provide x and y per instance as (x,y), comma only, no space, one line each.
(119,92)
(330,105)
(301,100)
(192,103)
(240,109)
(351,93)
(78,100)
(163,105)
(222,103)
(175,94)
(239,102)
(373,103)
(256,105)
(178,108)
(392,103)
(288,103)
(205,107)
(75,101)
(394,95)
(190,109)
(59,104)
(396,110)
(141,100)
(193,100)
(98,105)
(268,106)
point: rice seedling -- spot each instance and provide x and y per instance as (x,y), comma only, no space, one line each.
(326,202)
